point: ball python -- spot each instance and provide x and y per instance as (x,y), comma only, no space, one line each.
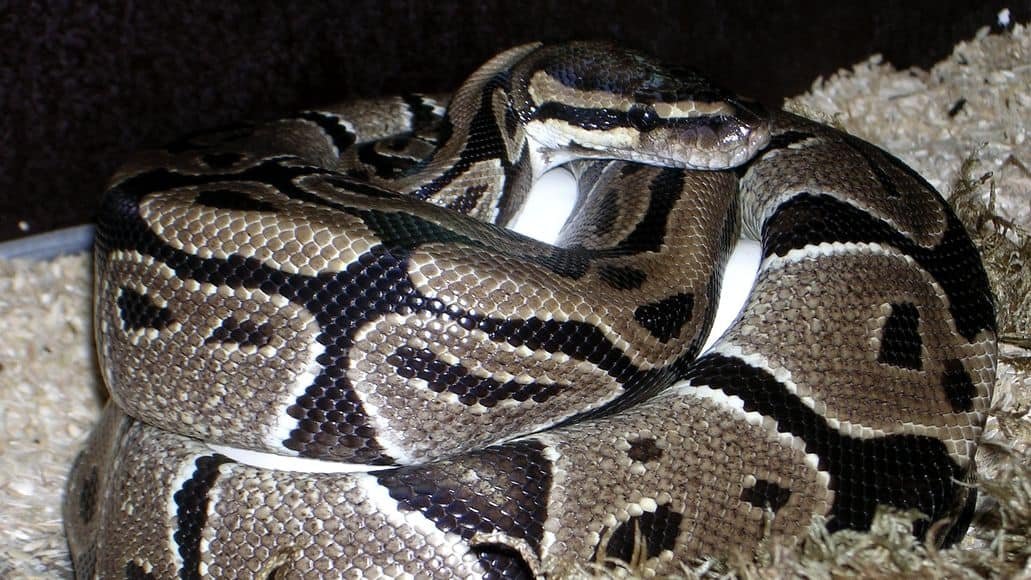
(327,356)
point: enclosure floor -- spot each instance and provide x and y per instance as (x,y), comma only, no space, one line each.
(966,119)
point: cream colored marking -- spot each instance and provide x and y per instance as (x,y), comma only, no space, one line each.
(544,88)
(559,477)
(559,134)
(391,435)
(519,545)
(439,109)
(306,240)
(542,142)
(263,460)
(663,146)
(184,471)
(689,109)
(783,376)
(279,432)
(758,360)
(374,414)
(214,496)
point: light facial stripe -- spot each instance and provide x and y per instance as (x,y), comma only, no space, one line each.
(688,109)
(545,88)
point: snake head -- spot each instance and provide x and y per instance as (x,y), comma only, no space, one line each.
(598,100)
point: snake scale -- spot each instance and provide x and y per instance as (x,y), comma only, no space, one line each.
(328,358)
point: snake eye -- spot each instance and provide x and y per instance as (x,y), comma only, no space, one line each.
(643,117)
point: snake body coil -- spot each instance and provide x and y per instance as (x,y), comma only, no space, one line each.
(336,288)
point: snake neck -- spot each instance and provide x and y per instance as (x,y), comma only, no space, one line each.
(535,107)
(484,166)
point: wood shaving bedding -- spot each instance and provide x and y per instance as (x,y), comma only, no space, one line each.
(963,125)
(49,391)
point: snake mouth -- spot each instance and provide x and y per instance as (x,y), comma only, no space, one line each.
(712,143)
(736,138)
(750,113)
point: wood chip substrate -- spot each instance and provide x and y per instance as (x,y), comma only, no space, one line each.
(963,125)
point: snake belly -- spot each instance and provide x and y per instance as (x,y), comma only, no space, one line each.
(335,288)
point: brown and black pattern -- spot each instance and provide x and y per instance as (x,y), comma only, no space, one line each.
(336,285)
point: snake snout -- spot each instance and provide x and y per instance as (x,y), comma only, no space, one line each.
(744,132)
(711,129)
(750,113)
(715,142)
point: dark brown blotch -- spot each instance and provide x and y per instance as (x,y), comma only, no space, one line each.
(664,318)
(241,332)
(658,530)
(137,311)
(88,495)
(766,494)
(958,386)
(901,344)
(134,571)
(221,160)
(509,496)
(644,449)
(467,202)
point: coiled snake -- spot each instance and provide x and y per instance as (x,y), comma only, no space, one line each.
(332,286)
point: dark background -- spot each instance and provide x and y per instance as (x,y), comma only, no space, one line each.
(84,84)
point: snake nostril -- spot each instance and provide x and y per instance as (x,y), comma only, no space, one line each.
(752,114)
